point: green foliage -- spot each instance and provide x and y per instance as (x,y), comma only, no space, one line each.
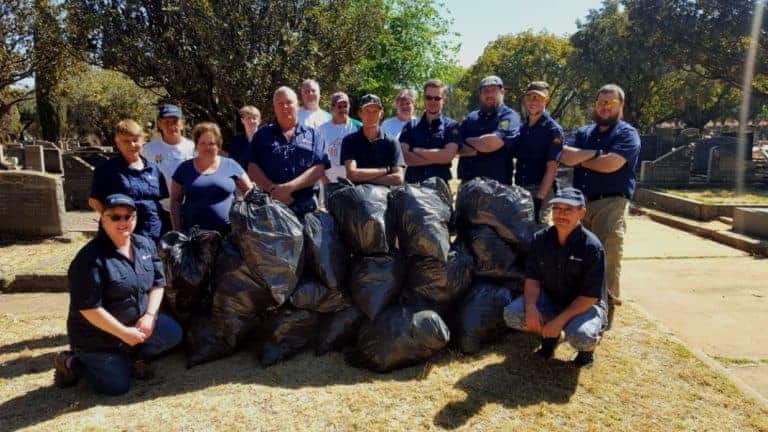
(16,62)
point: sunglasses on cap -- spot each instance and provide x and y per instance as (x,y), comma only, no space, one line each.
(124,217)
(613,103)
(433,98)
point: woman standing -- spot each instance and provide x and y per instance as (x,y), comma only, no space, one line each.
(131,174)
(203,188)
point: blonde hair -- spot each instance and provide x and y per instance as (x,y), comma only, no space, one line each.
(249,110)
(129,127)
(204,127)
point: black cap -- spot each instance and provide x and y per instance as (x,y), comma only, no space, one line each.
(570,196)
(119,200)
(370,99)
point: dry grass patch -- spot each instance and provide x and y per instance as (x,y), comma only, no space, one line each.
(721,196)
(50,256)
(642,380)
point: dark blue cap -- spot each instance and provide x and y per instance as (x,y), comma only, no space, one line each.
(118,200)
(169,110)
(370,99)
(570,196)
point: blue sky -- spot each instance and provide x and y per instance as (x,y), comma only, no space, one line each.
(482,21)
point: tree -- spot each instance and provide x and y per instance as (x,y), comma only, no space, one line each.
(50,62)
(16,62)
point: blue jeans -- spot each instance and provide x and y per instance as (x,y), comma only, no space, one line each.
(582,332)
(109,373)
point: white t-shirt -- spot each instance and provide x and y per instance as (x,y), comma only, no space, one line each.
(392,127)
(331,134)
(314,118)
(168,157)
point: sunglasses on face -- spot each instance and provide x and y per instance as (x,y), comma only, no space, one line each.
(533,97)
(613,103)
(124,217)
(433,98)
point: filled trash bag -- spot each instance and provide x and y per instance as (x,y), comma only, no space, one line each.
(494,258)
(506,209)
(479,317)
(360,214)
(401,336)
(188,262)
(326,254)
(374,281)
(460,268)
(337,330)
(271,239)
(420,215)
(205,342)
(313,295)
(288,332)
(432,282)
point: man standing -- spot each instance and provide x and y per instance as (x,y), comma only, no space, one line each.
(429,146)
(333,132)
(169,151)
(368,155)
(489,135)
(288,158)
(564,289)
(405,103)
(310,114)
(240,148)
(605,156)
(541,140)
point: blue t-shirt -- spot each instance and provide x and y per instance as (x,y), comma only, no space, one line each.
(147,187)
(282,161)
(430,135)
(497,165)
(207,197)
(623,140)
(537,145)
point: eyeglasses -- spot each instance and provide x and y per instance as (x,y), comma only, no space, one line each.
(564,210)
(613,103)
(124,217)
(535,97)
(433,98)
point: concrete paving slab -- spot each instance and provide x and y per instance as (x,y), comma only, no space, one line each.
(648,239)
(755,376)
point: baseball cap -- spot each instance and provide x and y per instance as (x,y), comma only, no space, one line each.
(338,97)
(118,200)
(491,80)
(370,99)
(570,196)
(539,87)
(169,110)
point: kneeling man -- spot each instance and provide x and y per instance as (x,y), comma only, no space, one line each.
(564,290)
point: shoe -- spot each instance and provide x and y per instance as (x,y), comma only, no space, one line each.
(547,349)
(584,359)
(142,370)
(63,376)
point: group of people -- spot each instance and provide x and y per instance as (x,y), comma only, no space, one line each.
(572,275)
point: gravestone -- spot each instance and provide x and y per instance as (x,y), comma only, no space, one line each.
(78,176)
(52,160)
(703,148)
(672,169)
(31,204)
(34,158)
(721,166)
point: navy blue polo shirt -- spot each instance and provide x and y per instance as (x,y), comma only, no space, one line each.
(147,187)
(241,150)
(430,135)
(537,145)
(497,165)
(623,140)
(381,152)
(283,161)
(101,277)
(565,272)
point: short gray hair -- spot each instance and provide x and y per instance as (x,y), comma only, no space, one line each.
(406,92)
(611,88)
(313,83)
(285,90)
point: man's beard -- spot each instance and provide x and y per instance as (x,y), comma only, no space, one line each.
(605,122)
(489,109)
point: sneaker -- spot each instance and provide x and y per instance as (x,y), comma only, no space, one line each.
(547,349)
(142,370)
(63,376)
(584,359)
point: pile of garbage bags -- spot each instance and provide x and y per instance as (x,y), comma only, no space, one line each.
(375,276)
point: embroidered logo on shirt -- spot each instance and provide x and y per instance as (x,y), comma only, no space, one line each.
(146,257)
(158,158)
(504,124)
(574,258)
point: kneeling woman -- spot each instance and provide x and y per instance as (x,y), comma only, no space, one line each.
(116,285)
(203,188)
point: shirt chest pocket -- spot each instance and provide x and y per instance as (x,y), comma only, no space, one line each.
(303,157)
(574,269)
(118,292)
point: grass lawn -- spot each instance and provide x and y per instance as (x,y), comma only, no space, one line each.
(721,196)
(642,381)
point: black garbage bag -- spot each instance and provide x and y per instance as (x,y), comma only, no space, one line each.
(374,281)
(460,268)
(313,295)
(401,336)
(325,252)
(338,330)
(494,258)
(420,215)
(288,332)
(360,214)
(205,342)
(188,262)
(271,240)
(506,209)
(427,277)
(479,318)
